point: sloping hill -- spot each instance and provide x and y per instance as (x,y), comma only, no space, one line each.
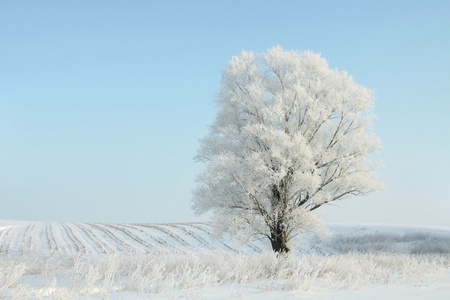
(21,237)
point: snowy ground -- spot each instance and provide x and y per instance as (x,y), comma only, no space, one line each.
(49,260)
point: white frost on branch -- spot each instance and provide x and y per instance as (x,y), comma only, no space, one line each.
(290,135)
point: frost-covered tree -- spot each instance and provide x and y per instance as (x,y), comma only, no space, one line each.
(290,136)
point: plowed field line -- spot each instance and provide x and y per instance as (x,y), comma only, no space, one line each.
(121,244)
(50,237)
(78,245)
(3,236)
(147,246)
(26,242)
(30,238)
(160,241)
(43,237)
(209,233)
(106,248)
(5,233)
(169,233)
(192,234)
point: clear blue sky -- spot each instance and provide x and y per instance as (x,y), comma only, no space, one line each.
(102,103)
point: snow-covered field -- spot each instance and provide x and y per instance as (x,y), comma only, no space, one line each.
(54,260)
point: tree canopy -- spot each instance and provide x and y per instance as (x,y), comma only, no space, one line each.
(290,136)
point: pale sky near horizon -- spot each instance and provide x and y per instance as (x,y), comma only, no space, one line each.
(102,103)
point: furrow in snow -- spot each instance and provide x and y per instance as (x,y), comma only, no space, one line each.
(32,237)
(4,237)
(75,241)
(209,232)
(142,245)
(64,243)
(163,243)
(26,242)
(192,234)
(92,239)
(170,234)
(111,238)
(62,240)
(50,238)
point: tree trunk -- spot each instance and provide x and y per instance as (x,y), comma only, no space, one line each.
(278,239)
(278,236)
